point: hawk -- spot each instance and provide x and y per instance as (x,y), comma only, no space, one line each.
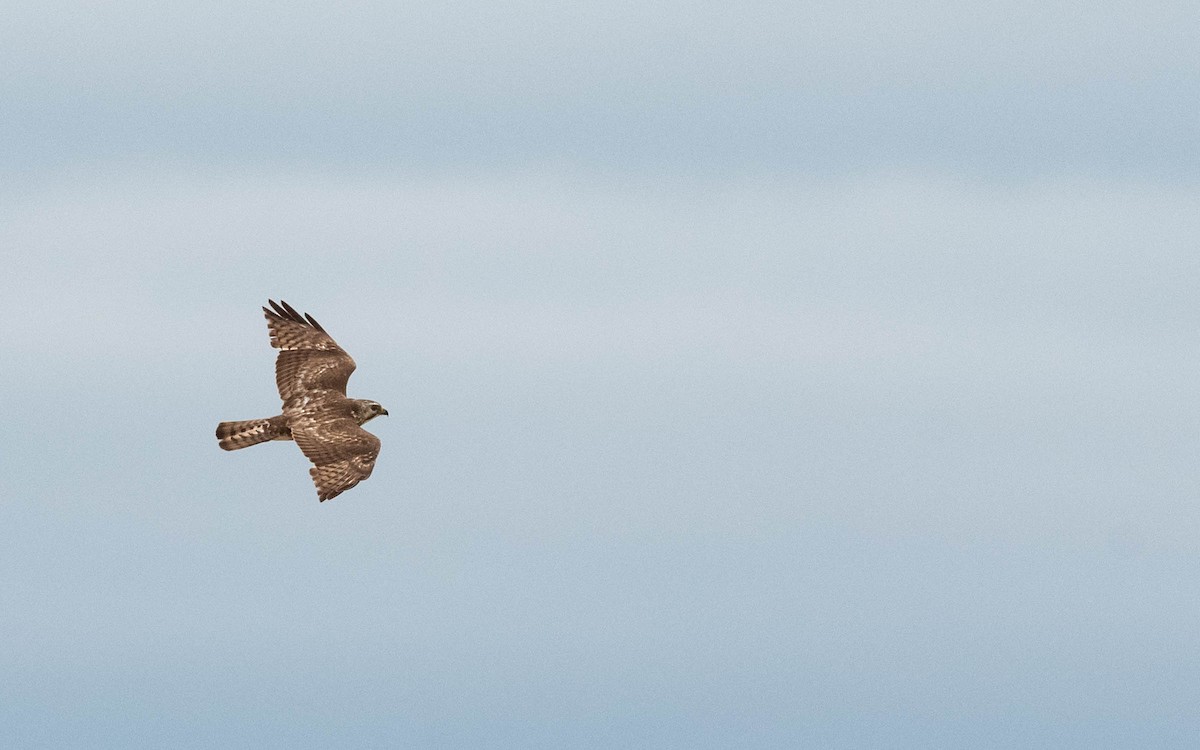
(311,372)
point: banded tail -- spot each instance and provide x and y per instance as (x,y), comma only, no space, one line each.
(235,435)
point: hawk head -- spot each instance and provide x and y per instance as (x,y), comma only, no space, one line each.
(365,410)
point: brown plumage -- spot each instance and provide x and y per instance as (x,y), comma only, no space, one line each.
(311,372)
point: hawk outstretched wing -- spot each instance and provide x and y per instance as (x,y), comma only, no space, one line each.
(343,452)
(311,372)
(309,359)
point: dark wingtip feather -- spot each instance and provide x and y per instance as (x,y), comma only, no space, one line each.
(291,313)
(283,311)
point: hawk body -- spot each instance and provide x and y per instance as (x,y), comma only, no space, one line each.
(311,372)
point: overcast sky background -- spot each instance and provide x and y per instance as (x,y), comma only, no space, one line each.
(761,374)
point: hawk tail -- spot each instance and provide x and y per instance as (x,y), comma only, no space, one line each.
(234,435)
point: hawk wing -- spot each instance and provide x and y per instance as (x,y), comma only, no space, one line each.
(343,452)
(309,359)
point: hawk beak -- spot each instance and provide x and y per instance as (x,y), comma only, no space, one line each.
(384,412)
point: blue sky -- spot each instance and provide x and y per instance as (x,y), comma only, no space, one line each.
(765,376)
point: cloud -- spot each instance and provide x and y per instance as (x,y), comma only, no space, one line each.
(426,48)
(994,349)
(544,266)
(1020,89)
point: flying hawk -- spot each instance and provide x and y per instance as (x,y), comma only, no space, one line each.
(311,372)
